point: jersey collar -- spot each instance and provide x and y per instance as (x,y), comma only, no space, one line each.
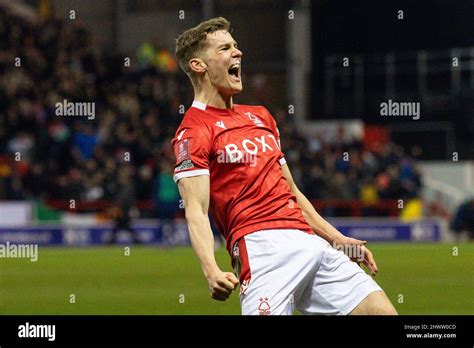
(201,106)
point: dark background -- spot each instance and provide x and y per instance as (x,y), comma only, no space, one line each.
(371,29)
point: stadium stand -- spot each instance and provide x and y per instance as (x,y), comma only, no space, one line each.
(137,112)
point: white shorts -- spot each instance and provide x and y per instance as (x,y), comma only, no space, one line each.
(284,270)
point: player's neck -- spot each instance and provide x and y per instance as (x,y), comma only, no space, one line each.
(214,99)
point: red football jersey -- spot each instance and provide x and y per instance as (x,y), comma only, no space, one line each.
(239,149)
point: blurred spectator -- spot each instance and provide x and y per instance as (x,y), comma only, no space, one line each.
(153,54)
(85,140)
(435,207)
(368,192)
(464,218)
(145,183)
(124,201)
(412,210)
(166,195)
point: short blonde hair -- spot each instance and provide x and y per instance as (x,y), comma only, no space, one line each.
(191,42)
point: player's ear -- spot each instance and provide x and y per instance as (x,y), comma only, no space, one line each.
(197,65)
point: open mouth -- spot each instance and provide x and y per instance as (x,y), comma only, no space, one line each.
(234,72)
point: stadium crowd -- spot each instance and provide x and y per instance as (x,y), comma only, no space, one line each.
(137,110)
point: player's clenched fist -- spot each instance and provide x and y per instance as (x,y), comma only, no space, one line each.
(221,285)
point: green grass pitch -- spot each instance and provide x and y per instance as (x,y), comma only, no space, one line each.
(418,278)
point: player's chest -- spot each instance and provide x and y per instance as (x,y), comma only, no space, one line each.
(244,140)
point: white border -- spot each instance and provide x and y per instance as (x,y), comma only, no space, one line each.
(199,105)
(190,173)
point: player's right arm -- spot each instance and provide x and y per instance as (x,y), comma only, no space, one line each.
(195,194)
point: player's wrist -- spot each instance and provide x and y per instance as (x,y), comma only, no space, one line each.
(211,271)
(337,239)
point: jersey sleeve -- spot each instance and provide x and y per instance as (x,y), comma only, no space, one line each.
(191,147)
(276,134)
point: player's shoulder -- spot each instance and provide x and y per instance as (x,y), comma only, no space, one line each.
(194,118)
(194,121)
(257,110)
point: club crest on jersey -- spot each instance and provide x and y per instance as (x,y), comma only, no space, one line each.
(254,119)
(264,307)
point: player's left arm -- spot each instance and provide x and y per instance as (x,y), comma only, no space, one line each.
(323,228)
